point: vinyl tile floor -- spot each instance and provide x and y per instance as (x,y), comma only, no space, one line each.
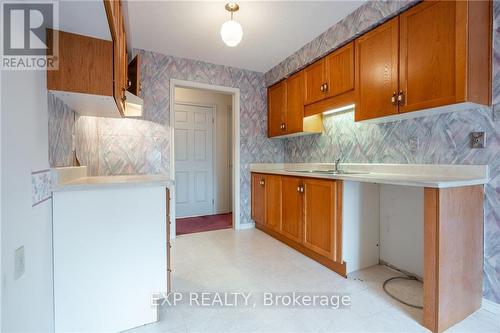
(249,261)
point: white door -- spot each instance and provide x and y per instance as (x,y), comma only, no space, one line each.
(193,160)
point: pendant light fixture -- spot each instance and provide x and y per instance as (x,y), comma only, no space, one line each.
(231,31)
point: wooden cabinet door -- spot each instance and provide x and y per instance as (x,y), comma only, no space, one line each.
(258,198)
(340,71)
(433,38)
(322,220)
(276,109)
(292,208)
(295,103)
(273,202)
(377,71)
(314,78)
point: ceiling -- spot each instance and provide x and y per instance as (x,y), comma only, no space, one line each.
(74,17)
(271,30)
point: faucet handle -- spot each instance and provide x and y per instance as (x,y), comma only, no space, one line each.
(337,161)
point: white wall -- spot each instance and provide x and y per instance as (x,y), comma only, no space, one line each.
(402,227)
(222,130)
(27,303)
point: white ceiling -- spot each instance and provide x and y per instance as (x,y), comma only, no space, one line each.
(86,17)
(271,30)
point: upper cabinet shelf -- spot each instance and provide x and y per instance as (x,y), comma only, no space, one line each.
(433,58)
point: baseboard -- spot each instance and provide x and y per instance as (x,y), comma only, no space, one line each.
(244,226)
(490,306)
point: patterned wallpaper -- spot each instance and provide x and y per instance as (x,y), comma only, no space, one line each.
(439,139)
(359,21)
(61,124)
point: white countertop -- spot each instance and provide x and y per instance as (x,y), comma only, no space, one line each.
(419,175)
(76,179)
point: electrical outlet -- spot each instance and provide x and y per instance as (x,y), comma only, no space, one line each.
(477,140)
(19,262)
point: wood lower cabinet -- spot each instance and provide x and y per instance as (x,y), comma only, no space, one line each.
(273,202)
(322,228)
(304,213)
(258,198)
(292,208)
(266,200)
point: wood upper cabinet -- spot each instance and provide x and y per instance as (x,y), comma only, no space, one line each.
(377,71)
(85,65)
(292,208)
(340,71)
(258,198)
(120,59)
(322,219)
(435,54)
(276,109)
(315,80)
(442,45)
(330,82)
(294,120)
(285,107)
(273,202)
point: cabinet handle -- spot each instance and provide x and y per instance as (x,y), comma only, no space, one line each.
(262,182)
(326,87)
(321,88)
(401,98)
(283,126)
(393,98)
(298,188)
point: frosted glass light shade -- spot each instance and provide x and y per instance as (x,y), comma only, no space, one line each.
(231,33)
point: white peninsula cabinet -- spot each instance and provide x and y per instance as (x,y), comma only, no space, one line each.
(110,250)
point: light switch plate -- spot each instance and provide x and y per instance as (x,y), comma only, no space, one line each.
(477,140)
(19,262)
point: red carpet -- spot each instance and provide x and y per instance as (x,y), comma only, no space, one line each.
(191,225)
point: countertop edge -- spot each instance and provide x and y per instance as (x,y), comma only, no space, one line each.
(383,180)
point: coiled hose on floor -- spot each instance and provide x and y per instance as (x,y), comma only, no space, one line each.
(394,297)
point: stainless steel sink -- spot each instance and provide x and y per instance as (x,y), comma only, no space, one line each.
(330,172)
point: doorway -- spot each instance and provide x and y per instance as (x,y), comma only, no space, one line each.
(204,157)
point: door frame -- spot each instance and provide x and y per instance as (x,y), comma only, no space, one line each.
(214,143)
(235,142)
